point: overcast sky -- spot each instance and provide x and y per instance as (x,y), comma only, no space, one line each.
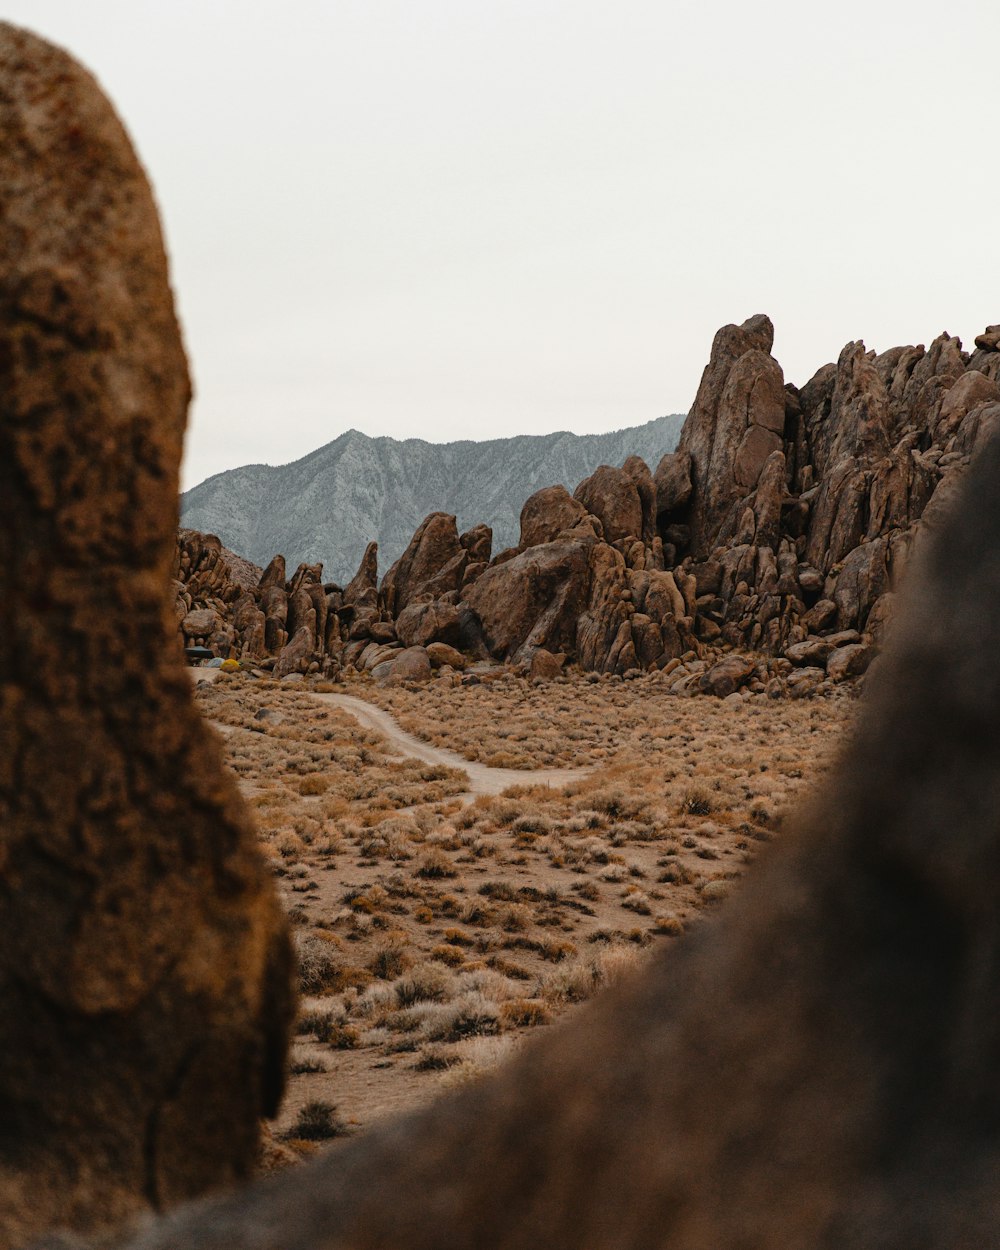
(472,218)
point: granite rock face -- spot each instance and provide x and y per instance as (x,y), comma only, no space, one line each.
(145,966)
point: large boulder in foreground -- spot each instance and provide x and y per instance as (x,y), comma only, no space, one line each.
(145,966)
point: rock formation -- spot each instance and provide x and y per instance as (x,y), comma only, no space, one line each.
(815,1069)
(329,505)
(780,525)
(145,996)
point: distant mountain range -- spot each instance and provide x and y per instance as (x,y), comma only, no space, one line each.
(330,504)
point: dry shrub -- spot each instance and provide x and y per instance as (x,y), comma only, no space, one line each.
(317,1121)
(436,865)
(696,801)
(523,1013)
(450,956)
(468,1016)
(318,967)
(424,983)
(390,961)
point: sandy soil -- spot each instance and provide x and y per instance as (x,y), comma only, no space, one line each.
(436,930)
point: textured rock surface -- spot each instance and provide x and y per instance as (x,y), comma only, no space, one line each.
(144,963)
(534,599)
(433,561)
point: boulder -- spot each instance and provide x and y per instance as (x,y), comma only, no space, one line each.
(544,665)
(971,390)
(296,655)
(613,497)
(478,543)
(200,623)
(812,652)
(637,470)
(989,340)
(547,513)
(433,546)
(727,676)
(423,623)
(533,599)
(849,661)
(363,586)
(673,483)
(736,422)
(804,682)
(413,664)
(441,655)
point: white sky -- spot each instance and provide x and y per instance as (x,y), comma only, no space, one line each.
(473,218)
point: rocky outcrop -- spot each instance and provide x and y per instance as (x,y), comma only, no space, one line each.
(433,564)
(533,600)
(329,505)
(784,516)
(145,995)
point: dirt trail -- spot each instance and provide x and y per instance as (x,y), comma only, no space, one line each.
(482,779)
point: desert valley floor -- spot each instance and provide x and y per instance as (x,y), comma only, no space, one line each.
(437,927)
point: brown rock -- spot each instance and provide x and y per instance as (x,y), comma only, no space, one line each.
(433,545)
(478,542)
(989,340)
(727,675)
(423,623)
(849,661)
(736,422)
(971,390)
(613,497)
(637,469)
(673,482)
(857,424)
(544,665)
(440,655)
(296,655)
(534,599)
(413,664)
(362,589)
(768,500)
(863,577)
(145,967)
(811,652)
(804,682)
(201,622)
(376,653)
(274,574)
(978,427)
(547,513)
(820,616)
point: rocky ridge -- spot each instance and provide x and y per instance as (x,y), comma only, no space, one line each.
(761,555)
(327,507)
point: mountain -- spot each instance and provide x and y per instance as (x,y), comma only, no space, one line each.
(330,504)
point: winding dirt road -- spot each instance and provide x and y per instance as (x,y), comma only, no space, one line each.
(482,779)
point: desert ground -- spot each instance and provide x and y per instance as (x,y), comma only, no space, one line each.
(445,912)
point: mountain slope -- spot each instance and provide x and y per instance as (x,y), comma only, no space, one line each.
(330,504)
